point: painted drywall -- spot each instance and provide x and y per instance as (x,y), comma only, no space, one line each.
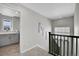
(64,22)
(29,35)
(76,20)
(16,23)
(0,22)
(43,38)
(29,30)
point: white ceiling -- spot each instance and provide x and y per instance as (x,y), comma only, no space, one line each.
(5,10)
(52,10)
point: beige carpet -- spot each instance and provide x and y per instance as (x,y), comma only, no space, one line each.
(13,50)
(36,52)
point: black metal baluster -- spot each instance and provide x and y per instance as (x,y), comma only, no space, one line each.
(67,46)
(60,45)
(64,46)
(49,43)
(76,46)
(71,46)
(54,44)
(57,46)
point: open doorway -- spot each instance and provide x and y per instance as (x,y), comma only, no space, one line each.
(9,31)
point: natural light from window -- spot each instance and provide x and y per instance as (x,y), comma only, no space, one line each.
(6,25)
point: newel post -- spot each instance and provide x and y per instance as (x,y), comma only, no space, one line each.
(49,42)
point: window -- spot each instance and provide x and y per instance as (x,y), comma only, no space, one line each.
(6,25)
(62,30)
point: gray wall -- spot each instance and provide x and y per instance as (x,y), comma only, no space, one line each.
(64,22)
(0,22)
(76,25)
(16,23)
(76,20)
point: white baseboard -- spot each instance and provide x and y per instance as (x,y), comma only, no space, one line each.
(42,47)
(28,49)
(37,45)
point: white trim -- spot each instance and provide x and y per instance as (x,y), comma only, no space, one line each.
(37,45)
(42,47)
(28,49)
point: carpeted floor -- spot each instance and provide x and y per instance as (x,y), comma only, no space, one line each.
(36,52)
(13,50)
